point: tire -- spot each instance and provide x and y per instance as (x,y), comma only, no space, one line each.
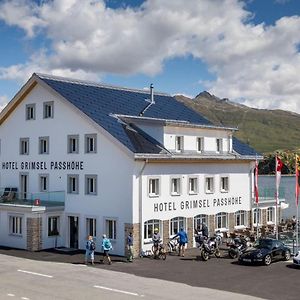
(163,255)
(204,255)
(232,254)
(287,255)
(267,260)
(217,253)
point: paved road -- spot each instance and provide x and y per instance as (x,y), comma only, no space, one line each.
(183,277)
(35,280)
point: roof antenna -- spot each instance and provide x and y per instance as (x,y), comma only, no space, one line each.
(151,101)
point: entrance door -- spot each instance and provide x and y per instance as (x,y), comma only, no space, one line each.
(73,225)
(23,186)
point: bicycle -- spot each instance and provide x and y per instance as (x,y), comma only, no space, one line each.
(159,251)
(173,246)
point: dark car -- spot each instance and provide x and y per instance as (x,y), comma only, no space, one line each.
(266,250)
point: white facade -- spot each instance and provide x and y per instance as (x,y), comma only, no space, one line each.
(110,186)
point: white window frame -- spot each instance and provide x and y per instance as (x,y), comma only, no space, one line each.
(175,184)
(224,184)
(200,144)
(179,144)
(111,228)
(53,226)
(153,187)
(149,227)
(44,182)
(91,184)
(199,219)
(209,182)
(195,184)
(222,220)
(73,183)
(44,145)
(270,215)
(91,226)
(175,225)
(240,219)
(90,141)
(48,110)
(254,217)
(219,145)
(73,143)
(15,225)
(30,112)
(24,146)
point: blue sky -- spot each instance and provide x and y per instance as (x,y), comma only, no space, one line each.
(247,51)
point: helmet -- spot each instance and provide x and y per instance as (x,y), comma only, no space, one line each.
(155,229)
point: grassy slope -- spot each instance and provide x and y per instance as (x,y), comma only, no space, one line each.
(264,130)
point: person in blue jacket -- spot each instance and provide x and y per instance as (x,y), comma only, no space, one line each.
(106,246)
(183,239)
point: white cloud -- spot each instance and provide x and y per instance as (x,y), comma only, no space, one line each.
(3,102)
(254,62)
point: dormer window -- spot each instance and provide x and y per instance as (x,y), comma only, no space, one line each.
(179,143)
(200,144)
(219,144)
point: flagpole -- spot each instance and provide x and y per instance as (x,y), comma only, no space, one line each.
(297,206)
(256,193)
(276,199)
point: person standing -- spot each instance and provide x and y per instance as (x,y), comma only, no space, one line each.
(204,230)
(106,246)
(130,247)
(183,239)
(90,250)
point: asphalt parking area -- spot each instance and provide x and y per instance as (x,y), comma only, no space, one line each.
(279,281)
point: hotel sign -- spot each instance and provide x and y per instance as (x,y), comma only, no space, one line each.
(42,165)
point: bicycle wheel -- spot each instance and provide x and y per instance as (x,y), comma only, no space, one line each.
(162,255)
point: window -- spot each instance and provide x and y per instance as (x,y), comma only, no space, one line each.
(73,143)
(44,145)
(91,184)
(149,227)
(44,183)
(200,144)
(219,145)
(30,112)
(91,227)
(221,220)
(209,185)
(193,185)
(199,219)
(256,216)
(90,143)
(176,224)
(270,214)
(179,143)
(53,226)
(224,184)
(111,229)
(175,186)
(48,110)
(153,187)
(15,225)
(240,218)
(24,146)
(73,184)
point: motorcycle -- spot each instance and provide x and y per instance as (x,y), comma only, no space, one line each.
(237,247)
(209,247)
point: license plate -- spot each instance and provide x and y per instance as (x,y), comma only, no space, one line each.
(247,260)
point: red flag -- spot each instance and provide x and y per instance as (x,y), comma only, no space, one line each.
(256,182)
(279,166)
(297,181)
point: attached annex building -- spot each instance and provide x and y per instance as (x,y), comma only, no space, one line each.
(81,158)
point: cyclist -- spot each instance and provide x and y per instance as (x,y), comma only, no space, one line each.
(156,242)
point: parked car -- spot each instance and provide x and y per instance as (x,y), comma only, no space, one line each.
(266,250)
(296,259)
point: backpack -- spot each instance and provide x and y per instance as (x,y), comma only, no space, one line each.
(92,246)
(107,244)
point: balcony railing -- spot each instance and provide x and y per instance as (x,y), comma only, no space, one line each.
(13,197)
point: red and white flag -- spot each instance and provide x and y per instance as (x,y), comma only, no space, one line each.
(279,166)
(297,181)
(256,182)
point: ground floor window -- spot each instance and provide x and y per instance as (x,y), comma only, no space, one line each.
(199,220)
(240,218)
(15,225)
(149,227)
(221,220)
(256,216)
(91,227)
(111,228)
(176,224)
(53,226)
(270,214)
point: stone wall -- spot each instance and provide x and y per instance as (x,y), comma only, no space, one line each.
(190,232)
(34,234)
(135,229)
(211,224)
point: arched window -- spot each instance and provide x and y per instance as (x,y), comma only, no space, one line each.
(256,216)
(240,218)
(176,224)
(199,219)
(270,214)
(221,220)
(149,227)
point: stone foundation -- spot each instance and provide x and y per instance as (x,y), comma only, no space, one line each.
(34,234)
(211,225)
(135,229)
(190,232)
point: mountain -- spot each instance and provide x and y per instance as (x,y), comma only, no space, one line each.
(264,130)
